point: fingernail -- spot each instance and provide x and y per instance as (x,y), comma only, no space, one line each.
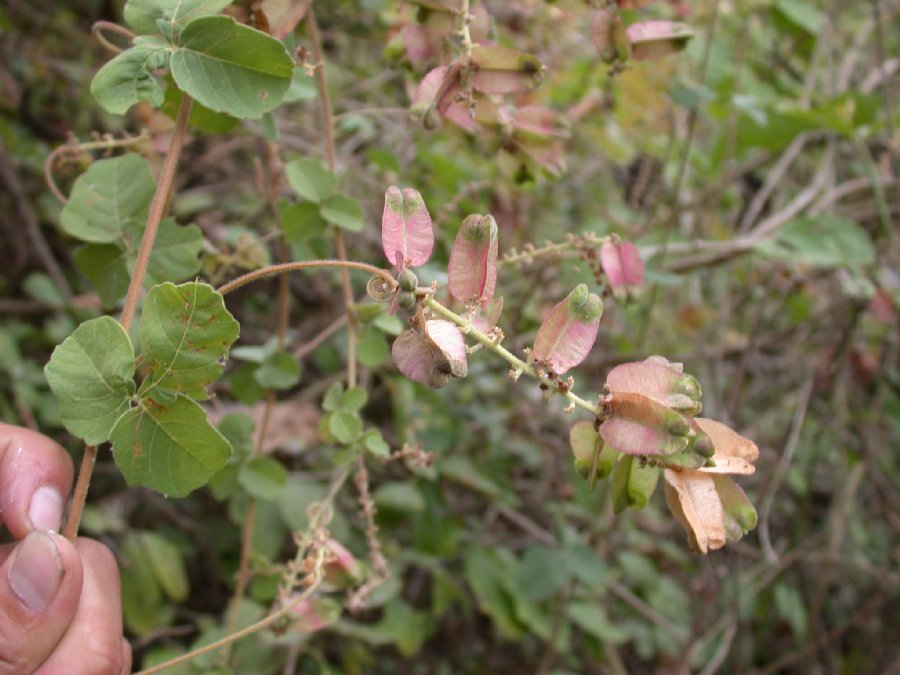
(36,571)
(45,510)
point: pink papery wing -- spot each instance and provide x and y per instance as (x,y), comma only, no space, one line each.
(734,453)
(406,232)
(694,501)
(472,271)
(656,39)
(501,70)
(567,334)
(451,342)
(414,356)
(418,50)
(633,438)
(622,265)
(485,317)
(652,380)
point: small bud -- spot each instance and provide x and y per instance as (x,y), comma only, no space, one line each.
(406,300)
(407,280)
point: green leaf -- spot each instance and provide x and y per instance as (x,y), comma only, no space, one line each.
(128,78)
(301,222)
(185,335)
(310,179)
(167,563)
(372,349)
(303,87)
(399,496)
(91,373)
(375,444)
(175,253)
(104,266)
(332,399)
(593,620)
(201,118)
(112,196)
(353,399)
(144,16)
(230,67)
(823,241)
(172,449)
(279,370)
(345,426)
(343,211)
(263,477)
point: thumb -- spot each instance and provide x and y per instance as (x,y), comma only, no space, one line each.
(40,586)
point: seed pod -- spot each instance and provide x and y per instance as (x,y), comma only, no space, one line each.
(733,453)
(663,383)
(736,504)
(590,452)
(648,412)
(634,438)
(485,317)
(406,232)
(632,483)
(623,267)
(502,70)
(434,358)
(472,272)
(407,280)
(693,500)
(656,39)
(568,332)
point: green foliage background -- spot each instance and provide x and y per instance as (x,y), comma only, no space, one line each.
(743,168)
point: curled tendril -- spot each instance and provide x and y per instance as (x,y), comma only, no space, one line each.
(379,289)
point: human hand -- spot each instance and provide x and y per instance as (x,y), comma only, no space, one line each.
(60,605)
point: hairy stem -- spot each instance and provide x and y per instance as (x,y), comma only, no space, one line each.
(157,210)
(284,309)
(491,344)
(272,270)
(331,153)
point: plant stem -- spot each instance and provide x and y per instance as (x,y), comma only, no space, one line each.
(157,210)
(244,632)
(491,344)
(331,153)
(464,32)
(281,268)
(79,495)
(573,243)
(74,148)
(284,307)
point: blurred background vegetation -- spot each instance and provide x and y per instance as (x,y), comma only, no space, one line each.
(758,173)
